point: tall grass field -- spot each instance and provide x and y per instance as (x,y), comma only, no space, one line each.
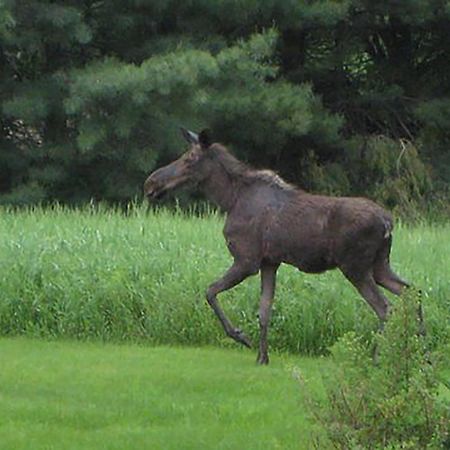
(141,276)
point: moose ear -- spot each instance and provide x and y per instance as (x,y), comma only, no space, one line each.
(190,136)
(204,139)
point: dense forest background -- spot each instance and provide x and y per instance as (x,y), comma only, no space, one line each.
(339,96)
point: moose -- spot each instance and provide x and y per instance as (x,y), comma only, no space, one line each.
(270,222)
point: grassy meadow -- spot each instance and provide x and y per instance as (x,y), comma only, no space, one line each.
(131,287)
(141,277)
(72,395)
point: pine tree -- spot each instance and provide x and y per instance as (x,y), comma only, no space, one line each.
(92,93)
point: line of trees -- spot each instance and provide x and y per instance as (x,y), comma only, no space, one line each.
(340,96)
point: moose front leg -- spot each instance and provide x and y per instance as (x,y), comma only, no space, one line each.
(268,276)
(238,272)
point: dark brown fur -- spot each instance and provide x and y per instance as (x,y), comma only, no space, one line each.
(270,222)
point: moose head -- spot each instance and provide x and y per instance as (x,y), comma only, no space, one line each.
(191,167)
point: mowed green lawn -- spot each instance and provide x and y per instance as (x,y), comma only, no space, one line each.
(69,395)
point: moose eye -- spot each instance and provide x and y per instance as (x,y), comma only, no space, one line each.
(192,157)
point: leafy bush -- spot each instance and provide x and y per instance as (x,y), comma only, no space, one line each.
(391,171)
(393,403)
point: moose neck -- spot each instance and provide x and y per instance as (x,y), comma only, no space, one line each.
(227,178)
(221,189)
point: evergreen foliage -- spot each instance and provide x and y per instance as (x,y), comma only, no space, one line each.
(329,93)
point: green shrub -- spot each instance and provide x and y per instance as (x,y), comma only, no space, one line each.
(392,172)
(393,403)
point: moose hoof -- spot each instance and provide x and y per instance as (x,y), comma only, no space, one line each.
(262,359)
(239,336)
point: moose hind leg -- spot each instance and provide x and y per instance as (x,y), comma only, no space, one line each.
(382,272)
(384,276)
(368,289)
(234,275)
